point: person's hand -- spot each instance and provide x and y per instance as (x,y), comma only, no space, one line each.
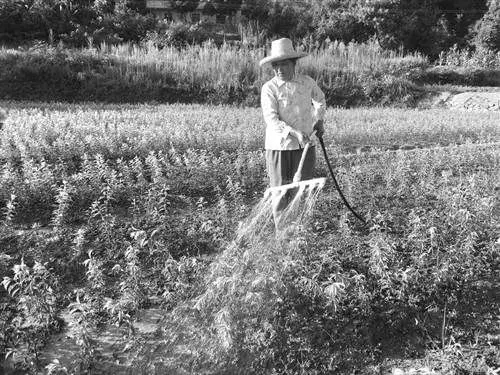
(302,137)
(320,128)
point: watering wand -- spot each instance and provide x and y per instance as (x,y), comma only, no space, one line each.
(298,175)
(358,216)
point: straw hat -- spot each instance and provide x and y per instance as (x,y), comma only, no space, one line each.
(281,49)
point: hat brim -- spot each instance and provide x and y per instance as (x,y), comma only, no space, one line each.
(271,59)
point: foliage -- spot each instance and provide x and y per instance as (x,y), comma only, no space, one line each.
(139,205)
(426,27)
(339,21)
(395,23)
(82,312)
(342,297)
(74,22)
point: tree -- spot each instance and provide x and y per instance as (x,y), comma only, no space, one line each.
(128,24)
(279,19)
(339,20)
(104,6)
(227,6)
(21,19)
(137,5)
(410,24)
(185,5)
(458,16)
(487,30)
(428,26)
(255,10)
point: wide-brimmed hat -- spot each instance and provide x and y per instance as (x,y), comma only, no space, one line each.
(282,49)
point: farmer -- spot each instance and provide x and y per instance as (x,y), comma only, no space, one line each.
(293,106)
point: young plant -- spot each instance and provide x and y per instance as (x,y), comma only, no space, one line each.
(131,290)
(34,290)
(10,210)
(82,313)
(63,200)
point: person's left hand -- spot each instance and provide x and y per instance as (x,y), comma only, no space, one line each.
(320,128)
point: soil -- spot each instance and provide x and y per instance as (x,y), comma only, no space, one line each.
(465,101)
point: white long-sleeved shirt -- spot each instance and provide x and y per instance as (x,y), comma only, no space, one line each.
(296,104)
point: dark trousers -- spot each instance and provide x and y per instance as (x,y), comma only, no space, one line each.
(281,168)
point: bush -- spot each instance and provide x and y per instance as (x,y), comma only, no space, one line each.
(390,90)
(467,76)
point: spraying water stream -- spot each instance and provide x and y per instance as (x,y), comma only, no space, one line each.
(241,290)
(246,277)
(296,212)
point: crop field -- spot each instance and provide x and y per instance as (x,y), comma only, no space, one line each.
(111,212)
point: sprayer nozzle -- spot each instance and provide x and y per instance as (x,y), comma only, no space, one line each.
(315,182)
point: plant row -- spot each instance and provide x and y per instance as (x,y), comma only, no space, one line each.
(62,133)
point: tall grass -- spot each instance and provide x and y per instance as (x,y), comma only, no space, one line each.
(196,73)
(197,65)
(228,64)
(358,58)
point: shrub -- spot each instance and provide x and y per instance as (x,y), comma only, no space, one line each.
(467,76)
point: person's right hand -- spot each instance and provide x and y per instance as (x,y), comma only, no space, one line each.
(302,137)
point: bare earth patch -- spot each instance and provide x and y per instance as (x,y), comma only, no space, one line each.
(469,101)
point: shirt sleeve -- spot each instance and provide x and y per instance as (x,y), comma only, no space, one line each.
(269,105)
(318,99)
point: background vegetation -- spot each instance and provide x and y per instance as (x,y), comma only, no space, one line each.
(429,28)
(361,53)
(350,75)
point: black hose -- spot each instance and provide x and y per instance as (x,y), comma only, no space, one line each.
(358,216)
